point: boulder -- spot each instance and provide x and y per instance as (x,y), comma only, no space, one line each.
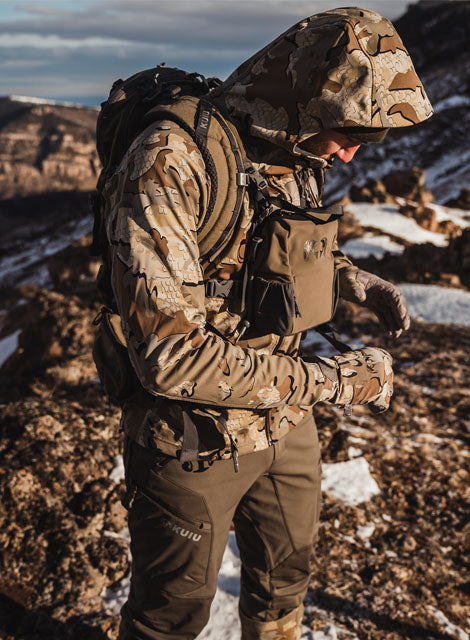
(373,191)
(409,184)
(462,201)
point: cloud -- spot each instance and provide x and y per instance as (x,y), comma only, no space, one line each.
(98,42)
(35,41)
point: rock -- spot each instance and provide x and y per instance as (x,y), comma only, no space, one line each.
(457,256)
(426,217)
(46,148)
(462,201)
(74,269)
(373,191)
(409,184)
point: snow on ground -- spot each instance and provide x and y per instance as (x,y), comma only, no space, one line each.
(117,474)
(54,103)
(450,628)
(387,219)
(224,623)
(34,251)
(8,346)
(459,216)
(370,245)
(451,102)
(350,482)
(365,531)
(448,174)
(432,303)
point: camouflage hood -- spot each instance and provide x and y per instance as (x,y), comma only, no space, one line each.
(342,68)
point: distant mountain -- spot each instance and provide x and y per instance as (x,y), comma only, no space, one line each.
(48,161)
(436,34)
(46,146)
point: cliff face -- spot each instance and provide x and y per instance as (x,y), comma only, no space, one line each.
(46,147)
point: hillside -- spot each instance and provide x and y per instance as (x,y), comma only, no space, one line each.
(394,542)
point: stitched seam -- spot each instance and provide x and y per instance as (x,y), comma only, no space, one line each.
(273,482)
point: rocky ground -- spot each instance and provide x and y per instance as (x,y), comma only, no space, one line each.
(396,566)
(388,568)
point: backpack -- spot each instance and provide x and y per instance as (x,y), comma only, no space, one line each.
(161,93)
(289,255)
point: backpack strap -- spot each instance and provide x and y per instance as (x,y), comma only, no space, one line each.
(328,332)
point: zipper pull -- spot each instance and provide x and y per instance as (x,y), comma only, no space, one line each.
(234,449)
(347,409)
(245,324)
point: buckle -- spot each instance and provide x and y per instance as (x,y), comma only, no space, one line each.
(218,288)
(242,179)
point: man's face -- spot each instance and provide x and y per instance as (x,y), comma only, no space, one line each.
(330,143)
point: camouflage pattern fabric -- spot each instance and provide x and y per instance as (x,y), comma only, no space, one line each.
(151,215)
(346,67)
(288,627)
(342,68)
(361,377)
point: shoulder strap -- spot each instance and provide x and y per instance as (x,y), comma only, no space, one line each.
(199,134)
(330,335)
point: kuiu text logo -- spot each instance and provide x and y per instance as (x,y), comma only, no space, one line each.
(184,533)
(205,119)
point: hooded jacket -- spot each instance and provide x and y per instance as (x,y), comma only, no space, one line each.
(346,67)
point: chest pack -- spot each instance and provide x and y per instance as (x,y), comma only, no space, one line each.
(288,282)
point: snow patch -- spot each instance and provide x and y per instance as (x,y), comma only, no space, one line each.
(387,219)
(370,245)
(117,474)
(451,102)
(350,482)
(432,303)
(115,596)
(448,626)
(46,101)
(36,250)
(459,216)
(354,452)
(329,632)
(8,346)
(365,531)
(224,623)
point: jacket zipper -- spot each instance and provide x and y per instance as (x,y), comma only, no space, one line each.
(267,430)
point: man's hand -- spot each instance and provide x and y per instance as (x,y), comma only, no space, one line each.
(364,376)
(380,296)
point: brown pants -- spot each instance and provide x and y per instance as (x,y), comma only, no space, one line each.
(180,521)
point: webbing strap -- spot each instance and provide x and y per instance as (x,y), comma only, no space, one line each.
(160,112)
(327,332)
(190,448)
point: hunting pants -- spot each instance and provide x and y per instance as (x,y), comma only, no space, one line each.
(180,521)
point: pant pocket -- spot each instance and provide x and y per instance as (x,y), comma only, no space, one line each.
(170,547)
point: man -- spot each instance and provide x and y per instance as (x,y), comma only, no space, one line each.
(327,84)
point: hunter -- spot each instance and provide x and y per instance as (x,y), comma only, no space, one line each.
(220,429)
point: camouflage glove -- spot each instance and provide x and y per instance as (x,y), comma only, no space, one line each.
(380,296)
(364,376)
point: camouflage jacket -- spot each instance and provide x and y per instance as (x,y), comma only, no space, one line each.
(258,389)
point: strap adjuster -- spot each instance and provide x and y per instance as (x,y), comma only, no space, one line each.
(242,179)
(218,288)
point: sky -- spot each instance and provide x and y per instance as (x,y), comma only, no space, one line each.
(75,50)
